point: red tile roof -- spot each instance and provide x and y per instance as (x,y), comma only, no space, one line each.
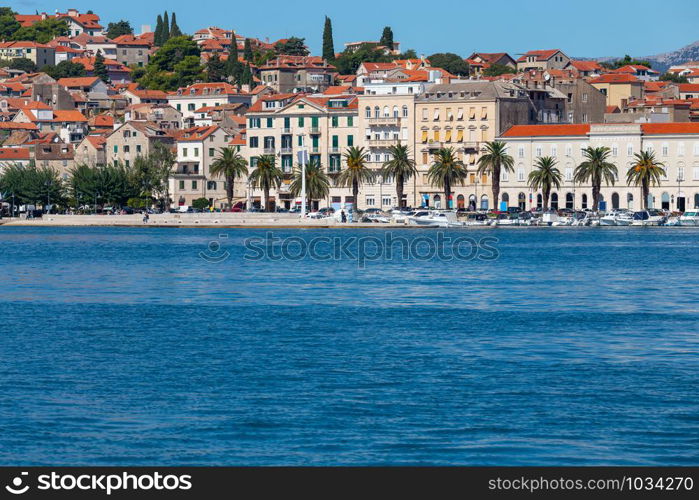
(14,154)
(670,128)
(541,55)
(688,87)
(196,133)
(615,78)
(17,126)
(83,81)
(547,130)
(586,65)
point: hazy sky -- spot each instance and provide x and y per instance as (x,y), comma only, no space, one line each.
(588,28)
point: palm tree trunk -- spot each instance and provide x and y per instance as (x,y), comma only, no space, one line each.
(644,192)
(399,190)
(595,197)
(266,195)
(355,195)
(447,191)
(229,191)
(545,195)
(496,186)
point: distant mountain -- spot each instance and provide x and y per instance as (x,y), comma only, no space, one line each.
(661,62)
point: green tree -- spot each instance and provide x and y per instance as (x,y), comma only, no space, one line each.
(498,69)
(162,159)
(246,77)
(628,60)
(545,177)
(349,61)
(674,78)
(32,184)
(166,27)
(595,169)
(408,54)
(387,38)
(174,29)
(401,167)
(201,203)
(234,68)
(23,64)
(8,23)
(293,47)
(231,166)
(100,68)
(43,31)
(118,29)
(317,182)
(215,69)
(247,51)
(266,175)
(446,171)
(328,44)
(449,61)
(176,63)
(65,69)
(644,172)
(158,33)
(356,173)
(172,52)
(188,71)
(493,160)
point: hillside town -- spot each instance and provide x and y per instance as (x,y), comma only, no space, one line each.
(96,114)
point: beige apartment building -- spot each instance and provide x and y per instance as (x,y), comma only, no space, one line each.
(674,144)
(618,88)
(464,116)
(285,124)
(134,139)
(197,149)
(385,119)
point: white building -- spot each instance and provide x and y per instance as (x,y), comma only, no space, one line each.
(675,144)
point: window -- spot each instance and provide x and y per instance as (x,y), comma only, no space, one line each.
(254,142)
(370,200)
(554,151)
(665,150)
(127,149)
(116,149)
(181,184)
(335,121)
(538,151)
(680,149)
(584,97)
(520,174)
(386,201)
(695,173)
(194,184)
(436,114)
(138,148)
(629,150)
(301,121)
(270,122)
(520,152)
(424,114)
(211,152)
(367,112)
(680,174)
(569,174)
(405,111)
(350,121)
(190,107)
(196,152)
(184,152)
(615,150)
(350,140)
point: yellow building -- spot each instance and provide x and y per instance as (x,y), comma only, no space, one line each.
(618,88)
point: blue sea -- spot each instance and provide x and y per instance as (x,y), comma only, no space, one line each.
(147,346)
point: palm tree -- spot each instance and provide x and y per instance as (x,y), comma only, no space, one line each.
(544,177)
(646,171)
(317,182)
(596,169)
(493,160)
(230,165)
(446,170)
(400,166)
(356,172)
(265,175)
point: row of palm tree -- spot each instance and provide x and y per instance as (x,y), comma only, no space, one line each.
(446,171)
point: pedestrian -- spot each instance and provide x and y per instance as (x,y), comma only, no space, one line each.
(343,216)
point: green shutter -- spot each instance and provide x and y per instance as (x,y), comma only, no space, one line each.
(350,140)
(300,121)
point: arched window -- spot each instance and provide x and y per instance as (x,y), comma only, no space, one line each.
(629,201)
(367,112)
(377,112)
(554,201)
(570,200)
(460,201)
(395,111)
(584,201)
(615,200)
(696,200)
(665,201)
(506,199)
(522,201)
(405,111)
(539,201)
(437,201)
(484,202)
(385,112)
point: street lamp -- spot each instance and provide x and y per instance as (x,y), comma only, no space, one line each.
(679,188)
(302,157)
(48,195)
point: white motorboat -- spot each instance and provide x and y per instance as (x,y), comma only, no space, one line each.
(616,218)
(548,218)
(624,218)
(476,219)
(434,219)
(689,218)
(649,217)
(608,219)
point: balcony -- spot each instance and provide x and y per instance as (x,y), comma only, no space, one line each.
(378,143)
(334,150)
(315,130)
(334,169)
(380,120)
(286,130)
(268,150)
(287,150)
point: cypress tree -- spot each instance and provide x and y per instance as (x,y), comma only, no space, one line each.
(234,68)
(158,33)
(246,79)
(100,69)
(247,53)
(387,38)
(174,29)
(328,45)
(166,28)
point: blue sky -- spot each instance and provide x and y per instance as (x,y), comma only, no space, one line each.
(599,28)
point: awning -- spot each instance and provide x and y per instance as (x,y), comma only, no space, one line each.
(448,138)
(459,136)
(425,133)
